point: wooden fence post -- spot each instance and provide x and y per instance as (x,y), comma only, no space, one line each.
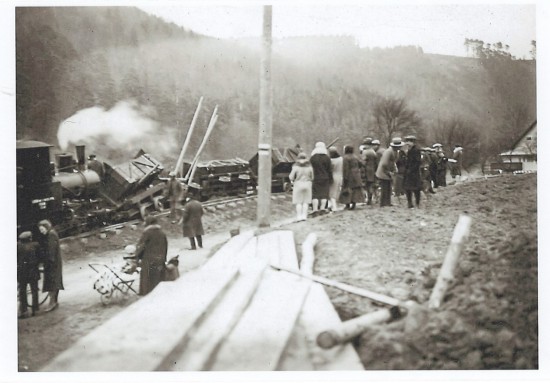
(446,274)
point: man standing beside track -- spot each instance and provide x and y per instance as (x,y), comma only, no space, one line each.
(192,222)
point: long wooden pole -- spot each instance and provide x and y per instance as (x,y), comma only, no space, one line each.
(210,128)
(179,163)
(446,274)
(195,158)
(265,125)
(380,298)
(333,142)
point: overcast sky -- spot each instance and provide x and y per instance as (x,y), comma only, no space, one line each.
(435,26)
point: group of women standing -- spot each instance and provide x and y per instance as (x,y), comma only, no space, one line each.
(326,177)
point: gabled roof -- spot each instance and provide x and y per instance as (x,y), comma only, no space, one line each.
(515,150)
(524,134)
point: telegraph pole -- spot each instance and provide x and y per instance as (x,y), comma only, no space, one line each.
(265,125)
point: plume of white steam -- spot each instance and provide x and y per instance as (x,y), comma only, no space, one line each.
(117,134)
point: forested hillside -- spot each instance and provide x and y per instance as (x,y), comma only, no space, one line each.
(118,79)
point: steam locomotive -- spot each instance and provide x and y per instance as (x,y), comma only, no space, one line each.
(75,198)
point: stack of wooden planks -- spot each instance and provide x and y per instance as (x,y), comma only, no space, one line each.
(235,313)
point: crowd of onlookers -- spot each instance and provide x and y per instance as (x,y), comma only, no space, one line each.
(329,179)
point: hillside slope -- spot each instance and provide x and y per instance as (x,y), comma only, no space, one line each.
(70,59)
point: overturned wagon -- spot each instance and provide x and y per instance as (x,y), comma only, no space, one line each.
(134,187)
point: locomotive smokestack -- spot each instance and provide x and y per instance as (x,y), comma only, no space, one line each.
(81,157)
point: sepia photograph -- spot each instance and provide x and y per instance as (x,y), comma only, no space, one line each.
(243,190)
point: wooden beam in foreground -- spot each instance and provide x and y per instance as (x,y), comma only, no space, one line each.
(446,274)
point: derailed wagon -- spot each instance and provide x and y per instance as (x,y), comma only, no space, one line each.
(230,177)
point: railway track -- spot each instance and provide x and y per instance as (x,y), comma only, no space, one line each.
(211,205)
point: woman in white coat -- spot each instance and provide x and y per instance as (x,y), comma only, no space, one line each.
(337,175)
(301,178)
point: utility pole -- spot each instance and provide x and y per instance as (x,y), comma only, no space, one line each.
(265,125)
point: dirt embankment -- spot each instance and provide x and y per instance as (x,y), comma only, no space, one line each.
(489,318)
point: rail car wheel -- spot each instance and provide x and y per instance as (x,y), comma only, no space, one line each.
(143,211)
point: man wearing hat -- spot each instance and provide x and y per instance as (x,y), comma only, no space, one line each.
(386,169)
(441,164)
(456,169)
(370,161)
(174,190)
(412,183)
(27,272)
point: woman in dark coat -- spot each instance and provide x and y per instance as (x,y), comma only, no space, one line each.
(322,177)
(53,263)
(352,191)
(192,222)
(151,250)
(27,272)
(412,182)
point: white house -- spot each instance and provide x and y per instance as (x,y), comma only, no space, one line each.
(523,155)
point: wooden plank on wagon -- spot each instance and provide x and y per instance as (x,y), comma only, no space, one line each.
(318,314)
(142,335)
(198,351)
(259,339)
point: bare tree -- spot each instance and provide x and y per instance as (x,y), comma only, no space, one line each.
(391,117)
(457,131)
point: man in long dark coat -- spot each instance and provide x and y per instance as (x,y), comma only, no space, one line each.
(192,222)
(27,272)
(53,263)
(151,250)
(412,182)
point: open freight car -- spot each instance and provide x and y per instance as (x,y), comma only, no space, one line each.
(282,160)
(219,178)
